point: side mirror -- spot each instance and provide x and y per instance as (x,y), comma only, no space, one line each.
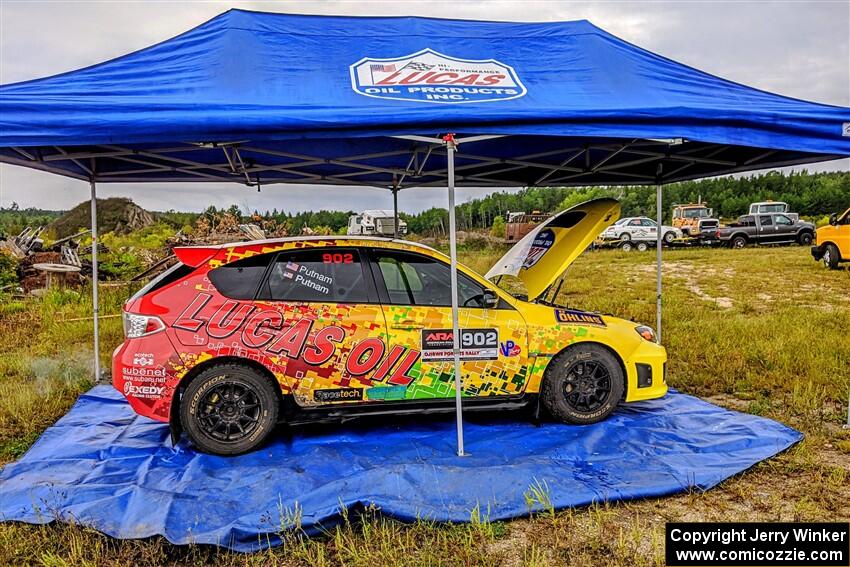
(491,300)
(833,219)
(711,212)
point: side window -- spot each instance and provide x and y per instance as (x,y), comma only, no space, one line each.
(240,279)
(649,223)
(412,279)
(635,222)
(324,275)
(782,219)
(765,220)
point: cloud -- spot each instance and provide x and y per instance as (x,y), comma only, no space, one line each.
(799,49)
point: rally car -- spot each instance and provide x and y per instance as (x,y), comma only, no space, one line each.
(239,337)
(640,228)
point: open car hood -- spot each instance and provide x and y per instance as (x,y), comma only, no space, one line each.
(544,253)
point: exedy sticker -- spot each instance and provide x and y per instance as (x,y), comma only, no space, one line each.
(578,317)
(475,344)
(428,76)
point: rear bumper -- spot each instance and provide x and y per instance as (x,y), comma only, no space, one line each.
(142,370)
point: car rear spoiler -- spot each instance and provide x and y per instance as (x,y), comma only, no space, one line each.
(194,256)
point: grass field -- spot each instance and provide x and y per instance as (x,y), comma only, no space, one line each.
(761,330)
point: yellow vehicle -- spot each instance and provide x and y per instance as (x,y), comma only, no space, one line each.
(832,242)
(238,337)
(695,219)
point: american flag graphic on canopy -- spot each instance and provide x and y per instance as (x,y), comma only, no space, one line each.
(383,68)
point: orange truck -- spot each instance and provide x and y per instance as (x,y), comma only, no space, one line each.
(832,242)
(519,224)
(695,220)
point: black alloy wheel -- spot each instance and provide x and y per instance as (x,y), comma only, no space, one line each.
(229,412)
(587,385)
(583,384)
(229,409)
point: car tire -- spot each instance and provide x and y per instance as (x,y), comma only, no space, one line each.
(583,384)
(625,237)
(626,246)
(805,238)
(831,256)
(669,237)
(738,242)
(229,409)
(642,246)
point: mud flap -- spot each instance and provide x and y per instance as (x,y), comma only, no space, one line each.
(174,424)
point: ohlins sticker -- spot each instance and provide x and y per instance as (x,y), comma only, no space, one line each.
(338,394)
(296,340)
(571,316)
(428,76)
(542,243)
(475,344)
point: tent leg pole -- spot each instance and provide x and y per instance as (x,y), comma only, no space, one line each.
(450,146)
(847,425)
(95,309)
(395,212)
(659,237)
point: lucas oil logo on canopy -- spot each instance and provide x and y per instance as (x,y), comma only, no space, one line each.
(428,76)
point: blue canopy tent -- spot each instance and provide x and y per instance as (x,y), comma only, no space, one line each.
(259,98)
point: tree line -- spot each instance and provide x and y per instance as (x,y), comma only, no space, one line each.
(809,194)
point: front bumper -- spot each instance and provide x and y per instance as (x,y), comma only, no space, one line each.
(646,372)
(817,253)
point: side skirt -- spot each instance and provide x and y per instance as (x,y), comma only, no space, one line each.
(293,414)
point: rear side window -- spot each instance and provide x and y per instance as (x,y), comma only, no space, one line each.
(322,275)
(240,279)
(176,272)
(765,220)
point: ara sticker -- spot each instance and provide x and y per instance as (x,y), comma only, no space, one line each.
(475,344)
(571,316)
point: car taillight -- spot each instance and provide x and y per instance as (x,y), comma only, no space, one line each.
(136,326)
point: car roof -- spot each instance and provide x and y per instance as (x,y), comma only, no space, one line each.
(196,255)
(313,238)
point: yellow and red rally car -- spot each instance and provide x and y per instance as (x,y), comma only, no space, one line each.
(238,337)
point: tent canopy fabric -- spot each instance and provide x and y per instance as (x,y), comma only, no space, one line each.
(258,97)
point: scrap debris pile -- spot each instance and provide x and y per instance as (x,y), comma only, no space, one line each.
(31,260)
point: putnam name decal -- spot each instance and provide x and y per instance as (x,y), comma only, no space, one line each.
(428,76)
(571,316)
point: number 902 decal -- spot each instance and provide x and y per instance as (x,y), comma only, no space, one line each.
(475,344)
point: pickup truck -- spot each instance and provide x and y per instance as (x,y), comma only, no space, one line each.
(775,228)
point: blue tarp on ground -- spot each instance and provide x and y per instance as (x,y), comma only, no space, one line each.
(104,466)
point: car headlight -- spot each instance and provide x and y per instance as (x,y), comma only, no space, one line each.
(646,332)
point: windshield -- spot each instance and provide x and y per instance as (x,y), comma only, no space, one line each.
(621,221)
(695,213)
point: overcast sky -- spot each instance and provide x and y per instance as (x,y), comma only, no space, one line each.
(798,49)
